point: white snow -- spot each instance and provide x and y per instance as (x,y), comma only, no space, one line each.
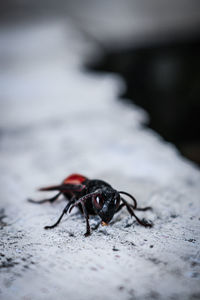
(56,119)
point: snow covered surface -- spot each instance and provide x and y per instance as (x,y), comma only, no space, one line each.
(56,119)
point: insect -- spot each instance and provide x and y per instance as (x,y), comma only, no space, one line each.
(92,197)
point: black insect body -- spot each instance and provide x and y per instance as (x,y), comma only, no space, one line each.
(93,197)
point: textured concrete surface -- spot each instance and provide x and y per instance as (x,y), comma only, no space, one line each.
(55,120)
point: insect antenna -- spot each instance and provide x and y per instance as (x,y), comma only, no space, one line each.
(127,194)
(83,199)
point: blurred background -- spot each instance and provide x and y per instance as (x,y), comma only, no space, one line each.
(154,45)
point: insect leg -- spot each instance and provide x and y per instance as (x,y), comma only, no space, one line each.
(51,200)
(133,207)
(143,208)
(65,210)
(135,203)
(64,187)
(130,210)
(86,215)
(120,207)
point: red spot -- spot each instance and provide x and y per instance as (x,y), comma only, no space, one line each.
(75,179)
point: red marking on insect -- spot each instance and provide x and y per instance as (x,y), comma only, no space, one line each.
(92,197)
(75,179)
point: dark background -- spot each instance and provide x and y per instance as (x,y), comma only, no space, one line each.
(155,47)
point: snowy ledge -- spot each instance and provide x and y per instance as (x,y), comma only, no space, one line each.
(56,120)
